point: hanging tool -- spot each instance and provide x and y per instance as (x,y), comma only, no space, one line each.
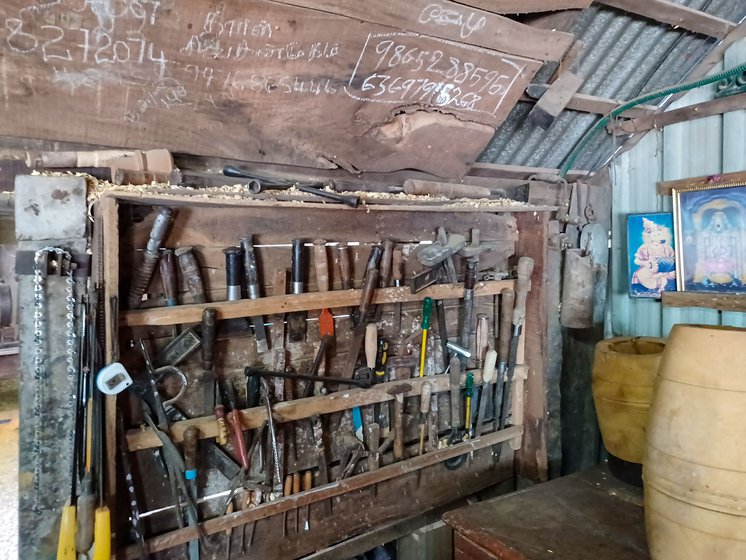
(483,333)
(507,301)
(373,440)
(168,277)
(426,393)
(209,333)
(307,485)
(370,281)
(297,320)
(398,393)
(457,435)
(251,271)
(277,467)
(66,542)
(397,271)
(135,521)
(191,438)
(191,274)
(382,355)
(485,398)
(384,275)
(470,279)
(102,516)
(366,373)
(353,452)
(233,417)
(232,273)
(427,308)
(523,284)
(428,277)
(468,393)
(143,274)
(442,331)
(326,319)
(317,430)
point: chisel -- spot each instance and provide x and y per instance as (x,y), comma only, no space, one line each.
(485,404)
(191,273)
(470,279)
(483,332)
(397,263)
(143,274)
(297,320)
(369,287)
(251,272)
(168,277)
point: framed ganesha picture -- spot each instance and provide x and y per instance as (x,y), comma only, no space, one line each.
(711,238)
(651,254)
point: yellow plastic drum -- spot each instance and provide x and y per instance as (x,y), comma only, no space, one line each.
(695,462)
(624,371)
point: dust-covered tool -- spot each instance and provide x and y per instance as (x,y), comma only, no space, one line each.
(144,272)
(251,271)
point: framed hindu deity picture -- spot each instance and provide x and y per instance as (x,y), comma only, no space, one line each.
(651,254)
(710,232)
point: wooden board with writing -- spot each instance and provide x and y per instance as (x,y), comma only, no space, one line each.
(254,80)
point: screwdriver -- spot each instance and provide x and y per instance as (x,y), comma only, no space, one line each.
(427,308)
(427,390)
(469,392)
(102,522)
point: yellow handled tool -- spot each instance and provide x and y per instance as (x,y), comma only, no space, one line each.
(427,308)
(66,544)
(102,534)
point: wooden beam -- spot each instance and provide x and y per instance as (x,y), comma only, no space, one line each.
(226,522)
(555,99)
(481,27)
(689,113)
(590,103)
(666,187)
(288,411)
(481,169)
(525,6)
(678,15)
(161,316)
(723,302)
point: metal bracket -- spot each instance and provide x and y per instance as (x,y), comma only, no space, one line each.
(80,264)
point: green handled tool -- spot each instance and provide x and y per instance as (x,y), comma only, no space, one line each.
(427,308)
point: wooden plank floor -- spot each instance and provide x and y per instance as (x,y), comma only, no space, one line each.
(585,516)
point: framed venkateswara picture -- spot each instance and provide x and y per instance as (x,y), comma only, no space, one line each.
(650,247)
(710,232)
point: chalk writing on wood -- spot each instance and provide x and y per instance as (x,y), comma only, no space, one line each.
(255,78)
(391,69)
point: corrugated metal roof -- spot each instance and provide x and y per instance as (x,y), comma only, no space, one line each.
(624,56)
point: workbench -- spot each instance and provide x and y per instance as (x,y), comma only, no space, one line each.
(589,515)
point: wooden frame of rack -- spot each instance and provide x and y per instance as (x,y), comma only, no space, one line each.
(390,480)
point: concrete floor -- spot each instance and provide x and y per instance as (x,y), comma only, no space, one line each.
(8,459)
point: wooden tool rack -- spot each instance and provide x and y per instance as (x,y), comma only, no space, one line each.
(394,491)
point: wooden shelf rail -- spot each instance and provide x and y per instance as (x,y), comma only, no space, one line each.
(220,524)
(164,316)
(288,411)
(723,302)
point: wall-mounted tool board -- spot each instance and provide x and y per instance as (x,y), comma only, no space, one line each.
(387,86)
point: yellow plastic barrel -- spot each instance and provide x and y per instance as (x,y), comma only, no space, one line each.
(624,371)
(695,461)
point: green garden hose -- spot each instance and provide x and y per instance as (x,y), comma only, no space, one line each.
(600,125)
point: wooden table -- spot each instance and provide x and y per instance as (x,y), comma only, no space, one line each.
(585,516)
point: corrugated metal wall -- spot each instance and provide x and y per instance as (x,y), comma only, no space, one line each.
(702,147)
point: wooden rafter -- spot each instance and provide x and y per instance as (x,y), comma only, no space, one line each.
(525,6)
(590,103)
(678,15)
(689,113)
